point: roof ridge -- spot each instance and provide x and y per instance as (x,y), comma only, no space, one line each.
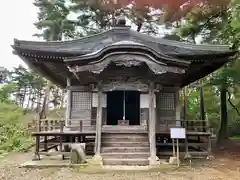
(187,45)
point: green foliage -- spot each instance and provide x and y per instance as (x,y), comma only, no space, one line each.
(19,96)
(218,24)
(13,135)
(53,20)
(6,91)
(236,138)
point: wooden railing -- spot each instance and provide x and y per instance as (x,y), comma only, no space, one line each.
(55,124)
(190,125)
(45,125)
(82,125)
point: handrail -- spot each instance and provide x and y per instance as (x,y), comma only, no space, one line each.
(190,125)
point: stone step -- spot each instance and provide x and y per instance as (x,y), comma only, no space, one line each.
(125,144)
(125,135)
(126,162)
(124,149)
(119,127)
(124,131)
(125,139)
(126,155)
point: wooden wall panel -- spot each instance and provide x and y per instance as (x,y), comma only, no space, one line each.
(81,107)
(166,109)
(94,115)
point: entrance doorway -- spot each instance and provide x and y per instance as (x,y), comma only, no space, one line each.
(123,105)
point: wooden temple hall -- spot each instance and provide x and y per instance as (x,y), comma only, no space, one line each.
(123,93)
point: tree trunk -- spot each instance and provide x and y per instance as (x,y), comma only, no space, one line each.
(29,99)
(33,100)
(24,97)
(43,113)
(62,98)
(222,133)
(39,97)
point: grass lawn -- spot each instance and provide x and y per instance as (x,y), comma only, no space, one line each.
(237,138)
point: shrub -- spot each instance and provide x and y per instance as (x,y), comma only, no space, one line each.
(13,135)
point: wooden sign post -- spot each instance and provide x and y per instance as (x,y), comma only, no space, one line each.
(177,133)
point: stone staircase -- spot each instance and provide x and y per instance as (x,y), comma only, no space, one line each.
(125,149)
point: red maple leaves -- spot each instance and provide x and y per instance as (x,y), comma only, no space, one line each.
(174,9)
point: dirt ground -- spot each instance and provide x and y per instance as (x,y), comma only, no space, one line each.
(225,166)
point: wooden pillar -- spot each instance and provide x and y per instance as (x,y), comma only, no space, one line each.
(202,108)
(178,109)
(68,105)
(185,96)
(209,137)
(152,124)
(98,121)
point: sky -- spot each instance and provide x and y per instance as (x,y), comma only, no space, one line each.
(17,18)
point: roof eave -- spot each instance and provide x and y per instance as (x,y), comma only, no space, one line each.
(43,72)
(125,48)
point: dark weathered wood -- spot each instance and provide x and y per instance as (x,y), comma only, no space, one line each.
(123,149)
(38,124)
(58,133)
(36,153)
(81,109)
(185,117)
(178,107)
(99,121)
(208,130)
(61,137)
(127,60)
(68,105)
(192,153)
(152,125)
(45,142)
(45,125)
(55,153)
(79,88)
(123,122)
(80,125)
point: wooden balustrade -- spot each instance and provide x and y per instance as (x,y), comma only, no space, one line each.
(45,125)
(82,125)
(190,125)
(55,124)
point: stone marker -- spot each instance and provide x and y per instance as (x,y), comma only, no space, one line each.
(78,153)
(173,160)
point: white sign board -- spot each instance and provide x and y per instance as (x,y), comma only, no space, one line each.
(95,100)
(144,101)
(178,133)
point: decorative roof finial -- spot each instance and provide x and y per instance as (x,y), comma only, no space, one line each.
(121,21)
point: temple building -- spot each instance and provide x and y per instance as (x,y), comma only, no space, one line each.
(123,88)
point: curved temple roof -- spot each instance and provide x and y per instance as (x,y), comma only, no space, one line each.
(125,35)
(52,58)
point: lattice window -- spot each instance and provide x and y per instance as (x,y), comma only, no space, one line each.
(81,100)
(167,101)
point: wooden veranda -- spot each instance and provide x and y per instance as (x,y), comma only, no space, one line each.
(52,134)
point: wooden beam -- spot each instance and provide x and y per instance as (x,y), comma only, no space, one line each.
(99,121)
(79,88)
(77,76)
(152,125)
(69,102)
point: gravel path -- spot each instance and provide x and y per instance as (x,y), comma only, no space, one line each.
(9,171)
